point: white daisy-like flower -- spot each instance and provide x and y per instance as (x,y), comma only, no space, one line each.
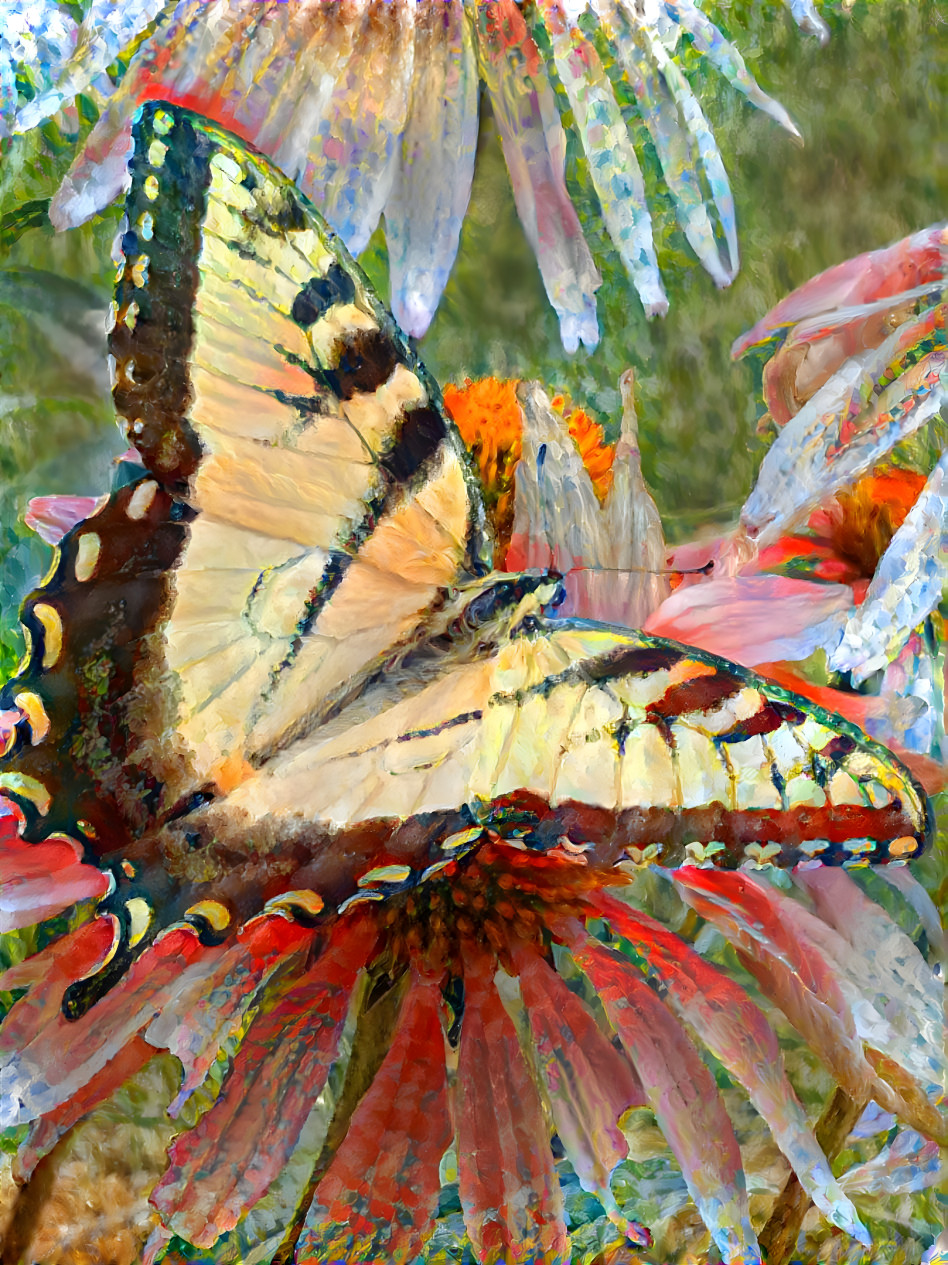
(372,107)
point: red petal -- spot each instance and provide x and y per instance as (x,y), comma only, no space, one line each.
(58,1057)
(225,1164)
(46,1132)
(513,1207)
(40,880)
(590,1085)
(789,968)
(75,955)
(681,1091)
(380,1192)
(214,1005)
(736,1032)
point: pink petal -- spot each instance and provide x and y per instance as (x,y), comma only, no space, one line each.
(46,1132)
(913,261)
(380,1192)
(534,146)
(509,1190)
(894,977)
(589,1084)
(59,1056)
(788,968)
(680,1090)
(51,517)
(754,619)
(737,1033)
(227,1162)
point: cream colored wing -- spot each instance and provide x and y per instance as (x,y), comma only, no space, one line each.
(614,742)
(328,499)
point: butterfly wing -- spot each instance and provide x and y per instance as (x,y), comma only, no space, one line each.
(614,743)
(307,508)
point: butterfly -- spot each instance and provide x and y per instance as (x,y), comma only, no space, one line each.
(274,678)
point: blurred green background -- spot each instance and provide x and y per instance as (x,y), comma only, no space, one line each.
(871,106)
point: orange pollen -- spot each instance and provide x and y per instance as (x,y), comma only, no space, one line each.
(863,521)
(487,414)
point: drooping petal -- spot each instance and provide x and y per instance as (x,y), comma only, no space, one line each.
(509,1191)
(106,29)
(214,1004)
(737,1033)
(898,982)
(432,183)
(45,1132)
(52,516)
(588,1083)
(351,174)
(906,587)
(40,880)
(380,1192)
(644,62)
(902,878)
(824,448)
(788,968)
(909,1163)
(534,146)
(817,347)
(680,1090)
(916,260)
(808,19)
(613,166)
(728,60)
(53,1059)
(755,618)
(226,1163)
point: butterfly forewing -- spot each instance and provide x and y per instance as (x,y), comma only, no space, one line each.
(264,385)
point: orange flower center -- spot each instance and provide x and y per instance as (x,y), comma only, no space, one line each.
(487,414)
(862,521)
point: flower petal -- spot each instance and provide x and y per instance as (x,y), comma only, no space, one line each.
(824,449)
(509,1190)
(613,166)
(906,587)
(534,146)
(680,1090)
(350,175)
(889,970)
(215,1002)
(226,1163)
(672,127)
(736,1032)
(54,1058)
(380,1192)
(727,59)
(913,261)
(432,184)
(789,968)
(52,516)
(589,1084)
(754,619)
(45,1132)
